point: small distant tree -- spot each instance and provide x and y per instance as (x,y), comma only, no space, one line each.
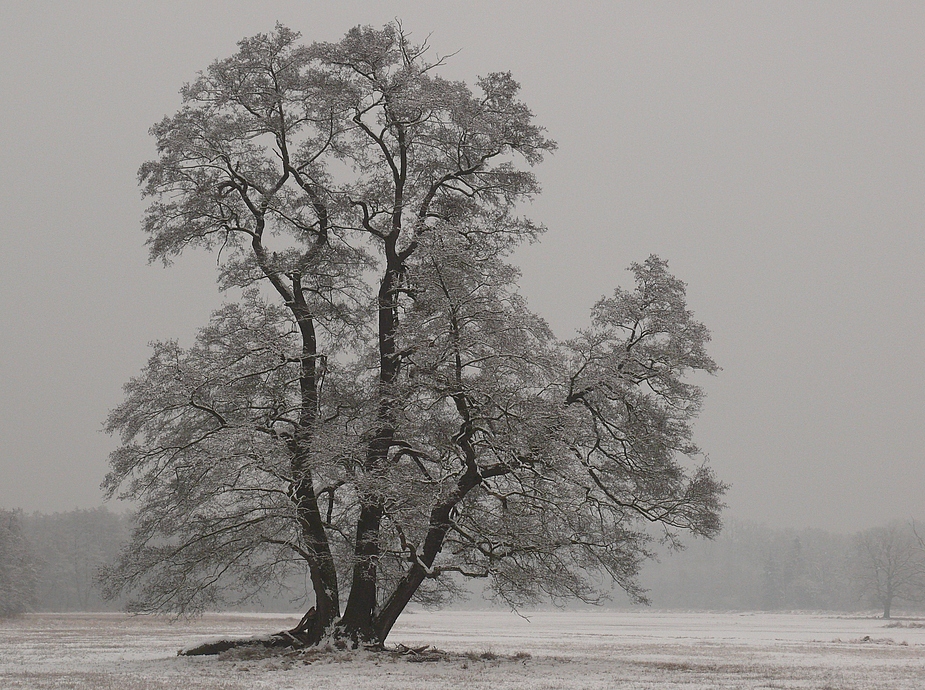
(381,409)
(17,567)
(887,565)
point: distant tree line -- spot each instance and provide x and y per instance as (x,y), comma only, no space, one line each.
(51,563)
(17,566)
(754,567)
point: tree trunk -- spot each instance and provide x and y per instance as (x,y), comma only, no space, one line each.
(358,620)
(403,593)
(886,608)
(433,543)
(321,566)
(316,623)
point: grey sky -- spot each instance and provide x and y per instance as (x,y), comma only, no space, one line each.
(774,153)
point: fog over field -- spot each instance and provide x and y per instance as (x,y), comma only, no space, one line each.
(748,567)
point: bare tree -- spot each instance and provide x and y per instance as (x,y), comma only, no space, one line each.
(388,434)
(887,564)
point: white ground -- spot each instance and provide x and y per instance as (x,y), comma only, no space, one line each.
(603,649)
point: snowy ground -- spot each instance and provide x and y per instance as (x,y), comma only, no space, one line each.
(603,649)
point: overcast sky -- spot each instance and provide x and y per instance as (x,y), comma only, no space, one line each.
(773,152)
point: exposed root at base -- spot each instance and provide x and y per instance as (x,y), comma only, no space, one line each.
(255,649)
(308,633)
(280,641)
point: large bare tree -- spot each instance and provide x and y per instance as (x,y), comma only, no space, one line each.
(380,408)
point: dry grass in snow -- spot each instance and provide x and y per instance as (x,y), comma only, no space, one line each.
(561,650)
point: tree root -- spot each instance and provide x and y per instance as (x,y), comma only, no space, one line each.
(281,640)
(302,635)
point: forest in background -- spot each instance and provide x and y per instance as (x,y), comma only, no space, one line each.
(49,563)
(753,567)
(53,559)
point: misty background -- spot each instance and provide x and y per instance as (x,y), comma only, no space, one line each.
(772,152)
(748,567)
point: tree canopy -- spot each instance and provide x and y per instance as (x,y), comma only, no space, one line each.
(380,408)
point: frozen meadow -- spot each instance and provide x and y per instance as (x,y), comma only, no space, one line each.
(600,649)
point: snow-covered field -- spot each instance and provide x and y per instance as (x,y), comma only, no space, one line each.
(602,649)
